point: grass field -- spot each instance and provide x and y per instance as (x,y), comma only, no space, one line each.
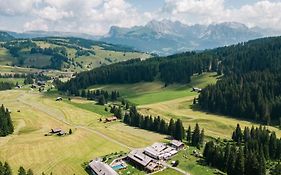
(168,171)
(189,163)
(154,92)
(61,155)
(92,138)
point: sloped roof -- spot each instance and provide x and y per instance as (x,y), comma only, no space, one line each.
(139,157)
(101,168)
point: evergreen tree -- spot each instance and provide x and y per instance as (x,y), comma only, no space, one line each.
(171,128)
(101,100)
(196,136)
(202,136)
(21,171)
(189,135)
(240,163)
(179,130)
(7,169)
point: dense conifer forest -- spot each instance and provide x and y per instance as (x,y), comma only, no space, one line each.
(249,154)
(250,87)
(6,124)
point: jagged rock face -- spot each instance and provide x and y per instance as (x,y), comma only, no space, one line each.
(167,37)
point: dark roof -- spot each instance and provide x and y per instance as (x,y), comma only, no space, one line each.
(138,156)
(101,168)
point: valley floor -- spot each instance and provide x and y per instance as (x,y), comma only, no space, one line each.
(39,113)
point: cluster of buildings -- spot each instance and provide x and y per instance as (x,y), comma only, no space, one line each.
(149,159)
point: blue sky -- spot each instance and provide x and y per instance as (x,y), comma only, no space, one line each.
(97,16)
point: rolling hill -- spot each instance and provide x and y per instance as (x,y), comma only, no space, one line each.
(66,54)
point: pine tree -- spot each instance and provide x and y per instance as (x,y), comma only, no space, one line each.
(196,136)
(21,171)
(272,145)
(179,129)
(101,100)
(240,163)
(231,162)
(171,128)
(202,136)
(7,169)
(188,135)
(2,169)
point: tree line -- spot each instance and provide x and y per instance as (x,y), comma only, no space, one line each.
(6,86)
(6,124)
(169,70)
(247,155)
(159,125)
(101,96)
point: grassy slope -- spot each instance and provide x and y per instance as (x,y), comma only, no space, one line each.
(102,57)
(176,102)
(189,163)
(61,155)
(154,92)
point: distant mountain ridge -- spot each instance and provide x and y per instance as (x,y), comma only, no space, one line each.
(168,37)
(4,36)
(39,33)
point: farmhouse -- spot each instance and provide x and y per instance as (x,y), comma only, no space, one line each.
(100,168)
(111,119)
(178,145)
(150,158)
(160,151)
(143,161)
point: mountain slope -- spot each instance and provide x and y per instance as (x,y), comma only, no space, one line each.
(4,36)
(250,87)
(167,37)
(64,53)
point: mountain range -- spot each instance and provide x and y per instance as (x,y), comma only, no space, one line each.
(168,37)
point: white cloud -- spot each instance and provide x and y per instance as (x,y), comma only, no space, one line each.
(264,13)
(37,24)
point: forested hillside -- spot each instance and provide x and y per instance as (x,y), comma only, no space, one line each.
(173,69)
(63,53)
(250,87)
